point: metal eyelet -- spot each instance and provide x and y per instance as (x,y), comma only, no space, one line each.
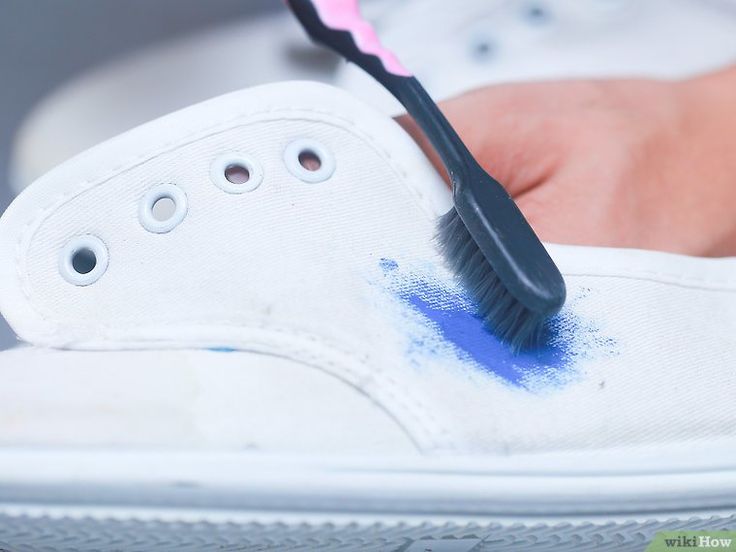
(162,208)
(482,47)
(309,160)
(236,173)
(536,13)
(83,260)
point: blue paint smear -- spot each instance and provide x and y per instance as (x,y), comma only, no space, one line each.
(469,334)
(388,265)
(451,313)
(221,349)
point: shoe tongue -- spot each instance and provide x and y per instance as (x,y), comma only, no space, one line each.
(260,211)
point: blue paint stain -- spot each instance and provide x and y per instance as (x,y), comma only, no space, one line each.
(458,325)
(388,265)
(221,349)
(451,314)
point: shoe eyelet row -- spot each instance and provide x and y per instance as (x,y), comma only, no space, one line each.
(85,258)
(483,46)
(306,159)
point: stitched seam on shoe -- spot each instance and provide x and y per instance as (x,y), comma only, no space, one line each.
(398,403)
(166,147)
(406,401)
(415,407)
(361,379)
(688,282)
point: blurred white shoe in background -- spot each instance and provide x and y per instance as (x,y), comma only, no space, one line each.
(451,46)
(454,47)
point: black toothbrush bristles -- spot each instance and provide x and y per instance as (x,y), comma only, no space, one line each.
(506,317)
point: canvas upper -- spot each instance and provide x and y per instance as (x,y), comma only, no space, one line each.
(310,310)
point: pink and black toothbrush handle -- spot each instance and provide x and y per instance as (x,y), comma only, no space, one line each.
(338,25)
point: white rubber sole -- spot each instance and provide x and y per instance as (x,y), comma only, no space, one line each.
(102,500)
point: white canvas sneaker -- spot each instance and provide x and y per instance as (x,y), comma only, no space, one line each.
(241,334)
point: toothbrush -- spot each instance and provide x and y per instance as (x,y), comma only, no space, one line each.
(485,238)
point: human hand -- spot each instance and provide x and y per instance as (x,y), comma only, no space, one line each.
(623,163)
